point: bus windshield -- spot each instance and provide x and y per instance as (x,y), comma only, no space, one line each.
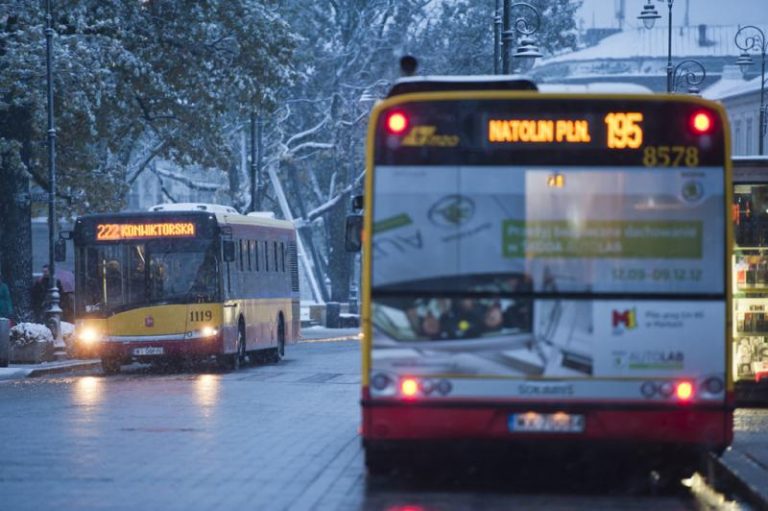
(122,276)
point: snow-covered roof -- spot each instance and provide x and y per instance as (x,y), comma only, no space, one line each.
(194,206)
(597,87)
(733,88)
(730,79)
(652,43)
(261,214)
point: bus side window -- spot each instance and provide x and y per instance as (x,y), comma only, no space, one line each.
(266,256)
(277,261)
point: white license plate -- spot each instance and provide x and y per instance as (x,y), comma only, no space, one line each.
(148,351)
(532,422)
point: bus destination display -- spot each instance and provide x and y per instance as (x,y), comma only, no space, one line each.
(623,130)
(117,232)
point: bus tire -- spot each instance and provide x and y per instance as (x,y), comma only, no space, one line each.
(235,361)
(378,462)
(279,352)
(238,359)
(110,365)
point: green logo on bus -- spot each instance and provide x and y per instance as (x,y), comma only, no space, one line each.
(452,211)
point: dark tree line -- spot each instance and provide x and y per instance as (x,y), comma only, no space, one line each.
(162,79)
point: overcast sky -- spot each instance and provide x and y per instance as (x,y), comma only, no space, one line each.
(711,12)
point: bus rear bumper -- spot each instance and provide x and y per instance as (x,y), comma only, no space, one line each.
(696,427)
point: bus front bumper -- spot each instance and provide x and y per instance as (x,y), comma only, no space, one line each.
(150,348)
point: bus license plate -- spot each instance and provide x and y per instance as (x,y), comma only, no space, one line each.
(532,422)
(148,351)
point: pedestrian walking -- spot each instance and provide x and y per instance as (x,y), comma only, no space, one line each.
(39,294)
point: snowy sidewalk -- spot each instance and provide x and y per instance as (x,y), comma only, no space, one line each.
(17,371)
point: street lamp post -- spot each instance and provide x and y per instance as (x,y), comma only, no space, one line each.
(649,15)
(53,313)
(692,72)
(750,38)
(496,37)
(526,23)
(257,128)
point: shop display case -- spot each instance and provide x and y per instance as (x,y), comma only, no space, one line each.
(750,272)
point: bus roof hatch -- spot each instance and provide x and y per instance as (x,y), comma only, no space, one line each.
(408,85)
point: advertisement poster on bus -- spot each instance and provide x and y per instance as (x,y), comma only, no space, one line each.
(465,260)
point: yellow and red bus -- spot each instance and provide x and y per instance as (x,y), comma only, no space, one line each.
(185,281)
(545,269)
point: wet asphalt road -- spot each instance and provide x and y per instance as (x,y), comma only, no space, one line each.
(270,437)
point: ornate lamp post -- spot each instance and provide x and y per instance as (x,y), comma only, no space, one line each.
(649,15)
(526,23)
(497,37)
(257,150)
(747,39)
(692,72)
(53,313)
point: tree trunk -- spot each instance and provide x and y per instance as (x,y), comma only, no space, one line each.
(15,209)
(339,260)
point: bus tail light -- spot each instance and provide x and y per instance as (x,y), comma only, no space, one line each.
(397,122)
(702,122)
(409,387)
(684,391)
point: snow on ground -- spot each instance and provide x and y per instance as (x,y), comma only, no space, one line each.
(27,333)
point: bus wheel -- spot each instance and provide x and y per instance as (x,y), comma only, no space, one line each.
(279,352)
(378,462)
(110,365)
(238,359)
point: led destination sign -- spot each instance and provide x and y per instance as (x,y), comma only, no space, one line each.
(116,232)
(541,130)
(623,130)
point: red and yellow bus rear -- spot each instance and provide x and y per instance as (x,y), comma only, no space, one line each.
(546,269)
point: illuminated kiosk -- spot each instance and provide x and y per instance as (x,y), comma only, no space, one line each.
(750,277)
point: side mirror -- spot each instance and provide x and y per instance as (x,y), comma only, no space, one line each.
(229,251)
(60,251)
(357,202)
(353,237)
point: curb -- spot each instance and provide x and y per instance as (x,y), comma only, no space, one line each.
(735,470)
(85,364)
(19,372)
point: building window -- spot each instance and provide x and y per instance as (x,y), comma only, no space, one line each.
(737,137)
(749,136)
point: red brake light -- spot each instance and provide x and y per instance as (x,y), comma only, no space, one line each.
(701,123)
(684,391)
(397,123)
(409,387)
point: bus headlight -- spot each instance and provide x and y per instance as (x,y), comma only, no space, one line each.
(208,331)
(89,335)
